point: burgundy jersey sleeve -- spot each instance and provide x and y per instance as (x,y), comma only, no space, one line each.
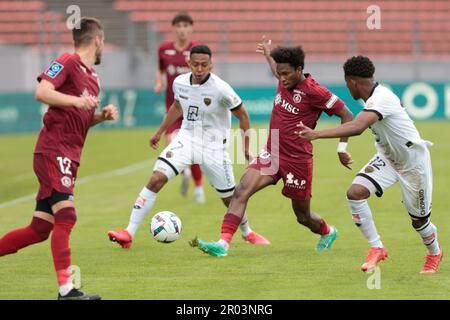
(58,72)
(325,100)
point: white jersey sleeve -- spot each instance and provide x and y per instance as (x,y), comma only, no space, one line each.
(383,102)
(230,98)
(176,94)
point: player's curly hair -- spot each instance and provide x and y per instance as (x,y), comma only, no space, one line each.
(182,16)
(359,66)
(294,56)
(201,48)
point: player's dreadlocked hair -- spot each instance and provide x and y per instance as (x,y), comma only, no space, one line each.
(201,48)
(359,66)
(182,17)
(294,56)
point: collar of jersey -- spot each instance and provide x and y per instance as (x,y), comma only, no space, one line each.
(204,81)
(373,89)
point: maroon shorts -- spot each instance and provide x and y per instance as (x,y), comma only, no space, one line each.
(296,176)
(54,172)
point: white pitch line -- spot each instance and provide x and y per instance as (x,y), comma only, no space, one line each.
(113,173)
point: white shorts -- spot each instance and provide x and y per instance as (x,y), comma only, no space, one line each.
(416,184)
(213,159)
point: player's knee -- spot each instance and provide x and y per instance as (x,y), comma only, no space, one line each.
(356,192)
(241,193)
(41,227)
(418,223)
(157,182)
(66,216)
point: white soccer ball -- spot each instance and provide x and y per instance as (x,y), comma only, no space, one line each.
(165,227)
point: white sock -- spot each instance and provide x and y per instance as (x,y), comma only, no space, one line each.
(224,244)
(428,232)
(187,173)
(65,288)
(142,206)
(362,217)
(245,227)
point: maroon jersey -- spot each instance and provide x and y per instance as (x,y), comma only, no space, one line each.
(173,63)
(305,103)
(65,128)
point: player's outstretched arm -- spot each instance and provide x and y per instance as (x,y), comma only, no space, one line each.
(264,48)
(344,157)
(46,93)
(349,129)
(175,111)
(244,124)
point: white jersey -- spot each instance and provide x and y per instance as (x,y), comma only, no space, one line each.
(206,106)
(395,133)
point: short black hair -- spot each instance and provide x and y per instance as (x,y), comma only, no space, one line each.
(294,56)
(201,48)
(89,28)
(182,16)
(359,66)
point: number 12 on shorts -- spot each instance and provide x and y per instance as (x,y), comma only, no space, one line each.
(64,165)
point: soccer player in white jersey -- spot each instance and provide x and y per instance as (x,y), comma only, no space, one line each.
(402,156)
(206,103)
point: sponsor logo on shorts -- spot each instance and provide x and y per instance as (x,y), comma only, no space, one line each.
(169,154)
(294,183)
(422,202)
(66,181)
(140,202)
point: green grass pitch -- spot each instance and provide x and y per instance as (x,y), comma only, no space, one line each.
(287,269)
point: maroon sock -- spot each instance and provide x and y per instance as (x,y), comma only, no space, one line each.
(196,174)
(64,221)
(37,231)
(324,228)
(229,226)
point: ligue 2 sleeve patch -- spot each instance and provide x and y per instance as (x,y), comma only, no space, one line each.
(54,69)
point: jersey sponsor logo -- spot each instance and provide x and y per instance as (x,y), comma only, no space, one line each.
(207,101)
(192,114)
(171,69)
(170,52)
(294,183)
(66,181)
(54,69)
(285,105)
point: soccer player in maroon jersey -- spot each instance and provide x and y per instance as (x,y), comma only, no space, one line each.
(286,156)
(70,86)
(173,57)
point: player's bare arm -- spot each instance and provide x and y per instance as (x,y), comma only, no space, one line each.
(244,124)
(109,112)
(344,157)
(173,114)
(46,93)
(264,48)
(349,129)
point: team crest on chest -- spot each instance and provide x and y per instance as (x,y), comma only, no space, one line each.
(297,98)
(207,101)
